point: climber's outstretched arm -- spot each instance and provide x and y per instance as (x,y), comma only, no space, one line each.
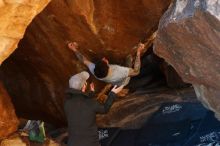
(73,46)
(137,64)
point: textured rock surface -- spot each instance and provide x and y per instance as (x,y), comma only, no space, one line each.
(8,119)
(134,110)
(15,16)
(189,39)
(37,74)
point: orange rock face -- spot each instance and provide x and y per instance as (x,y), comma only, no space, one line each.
(15,16)
(39,70)
(8,120)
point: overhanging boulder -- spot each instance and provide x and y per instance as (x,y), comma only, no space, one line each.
(189,39)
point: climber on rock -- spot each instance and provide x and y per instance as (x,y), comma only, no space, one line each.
(81,110)
(111,73)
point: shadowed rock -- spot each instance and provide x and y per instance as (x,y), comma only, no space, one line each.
(134,110)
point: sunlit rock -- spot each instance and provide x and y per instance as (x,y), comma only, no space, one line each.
(15,16)
(189,40)
(17,139)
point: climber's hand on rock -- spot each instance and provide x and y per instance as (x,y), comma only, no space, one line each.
(140,48)
(73,46)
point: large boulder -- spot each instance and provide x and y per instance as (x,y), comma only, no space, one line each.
(36,74)
(189,39)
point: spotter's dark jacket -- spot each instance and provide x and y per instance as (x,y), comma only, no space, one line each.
(81,110)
